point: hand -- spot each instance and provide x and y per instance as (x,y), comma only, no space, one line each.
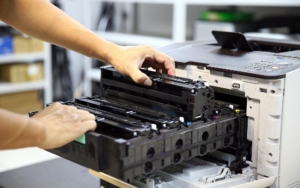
(63,124)
(129,60)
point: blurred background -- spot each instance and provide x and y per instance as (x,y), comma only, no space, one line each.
(35,73)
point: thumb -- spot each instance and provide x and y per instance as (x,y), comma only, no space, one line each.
(140,78)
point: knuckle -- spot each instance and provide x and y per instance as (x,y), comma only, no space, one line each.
(93,117)
(94,125)
(140,79)
(90,116)
(56,104)
(151,48)
(74,117)
(148,47)
(77,127)
(68,110)
(72,107)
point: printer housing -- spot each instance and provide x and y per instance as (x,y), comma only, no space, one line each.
(172,134)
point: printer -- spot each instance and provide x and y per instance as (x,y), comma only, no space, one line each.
(229,118)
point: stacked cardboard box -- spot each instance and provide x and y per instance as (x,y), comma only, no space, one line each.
(6,44)
(21,103)
(19,44)
(21,72)
(24,45)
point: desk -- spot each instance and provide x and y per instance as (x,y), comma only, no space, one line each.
(110,182)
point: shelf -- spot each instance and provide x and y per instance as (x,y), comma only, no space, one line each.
(94,74)
(273,3)
(22,57)
(2,23)
(6,87)
(141,1)
(132,39)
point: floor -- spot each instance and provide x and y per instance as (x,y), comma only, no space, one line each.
(36,168)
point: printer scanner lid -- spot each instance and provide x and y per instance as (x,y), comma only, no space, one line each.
(233,53)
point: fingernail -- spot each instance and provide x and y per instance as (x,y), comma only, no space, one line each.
(148,82)
(172,73)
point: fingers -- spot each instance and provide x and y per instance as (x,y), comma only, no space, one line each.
(130,59)
(77,114)
(140,78)
(158,60)
(68,112)
(164,71)
(89,126)
(48,110)
(168,65)
(85,116)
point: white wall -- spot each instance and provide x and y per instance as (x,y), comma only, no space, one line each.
(74,9)
(151,19)
(156,19)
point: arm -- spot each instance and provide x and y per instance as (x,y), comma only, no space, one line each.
(50,128)
(42,20)
(19,131)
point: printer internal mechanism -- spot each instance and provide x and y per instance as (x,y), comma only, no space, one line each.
(141,129)
(228,118)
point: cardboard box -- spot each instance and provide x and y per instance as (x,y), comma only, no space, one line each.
(21,44)
(24,107)
(6,45)
(7,99)
(21,72)
(37,45)
(22,102)
(27,44)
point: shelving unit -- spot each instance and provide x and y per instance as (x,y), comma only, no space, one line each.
(179,23)
(273,3)
(20,87)
(124,38)
(45,84)
(2,23)
(22,57)
(94,74)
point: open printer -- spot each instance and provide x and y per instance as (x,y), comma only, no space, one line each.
(229,118)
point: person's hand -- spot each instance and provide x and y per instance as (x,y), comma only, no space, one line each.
(128,61)
(63,124)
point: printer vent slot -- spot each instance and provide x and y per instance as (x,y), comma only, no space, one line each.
(263,90)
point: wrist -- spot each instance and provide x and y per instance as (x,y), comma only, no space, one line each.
(108,53)
(38,131)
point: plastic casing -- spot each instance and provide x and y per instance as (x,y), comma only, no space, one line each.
(272,101)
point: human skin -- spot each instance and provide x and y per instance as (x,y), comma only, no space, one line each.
(58,124)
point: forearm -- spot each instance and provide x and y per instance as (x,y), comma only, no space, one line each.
(42,20)
(17,131)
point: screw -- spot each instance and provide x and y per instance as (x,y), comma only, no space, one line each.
(135,134)
(164,125)
(192,91)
